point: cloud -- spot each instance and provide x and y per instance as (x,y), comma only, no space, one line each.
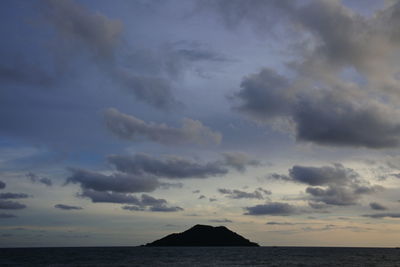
(117,182)
(36,179)
(25,74)
(342,117)
(272,209)
(171,167)
(7,216)
(341,90)
(131,128)
(258,13)
(239,160)
(279,177)
(155,91)
(67,207)
(100,38)
(377,206)
(11,205)
(200,55)
(142,203)
(318,205)
(280,223)
(202,197)
(335,36)
(172,60)
(165,209)
(2,185)
(266,192)
(341,186)
(109,197)
(383,215)
(149,203)
(340,195)
(150,74)
(238,194)
(13,195)
(220,221)
(132,208)
(265,95)
(74,23)
(325,175)
(170,185)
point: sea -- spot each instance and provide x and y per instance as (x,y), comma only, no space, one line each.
(200,256)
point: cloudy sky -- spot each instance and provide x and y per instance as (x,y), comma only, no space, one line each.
(123,121)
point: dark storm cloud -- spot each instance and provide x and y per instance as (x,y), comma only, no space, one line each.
(239,194)
(377,206)
(13,195)
(2,185)
(172,167)
(117,182)
(239,160)
(383,215)
(131,128)
(37,179)
(272,209)
(7,216)
(11,205)
(67,207)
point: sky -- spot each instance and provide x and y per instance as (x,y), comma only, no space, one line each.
(124,121)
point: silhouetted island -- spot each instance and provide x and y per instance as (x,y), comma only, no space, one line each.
(203,236)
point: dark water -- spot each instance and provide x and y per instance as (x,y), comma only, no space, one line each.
(203,256)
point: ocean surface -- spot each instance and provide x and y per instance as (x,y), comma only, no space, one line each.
(200,256)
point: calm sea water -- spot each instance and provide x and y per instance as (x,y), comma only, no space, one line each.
(203,256)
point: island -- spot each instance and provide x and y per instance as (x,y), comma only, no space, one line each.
(203,236)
